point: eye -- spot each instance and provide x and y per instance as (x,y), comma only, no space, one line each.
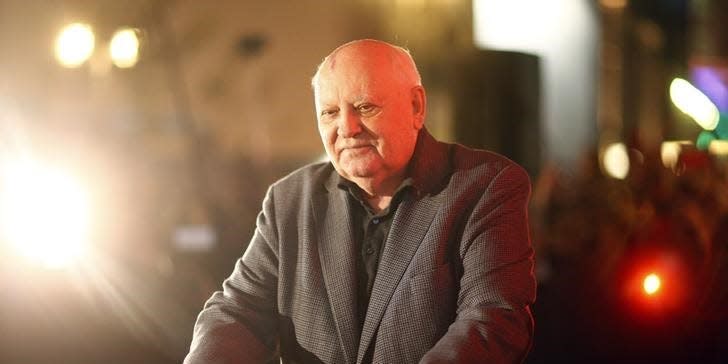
(327,113)
(367,109)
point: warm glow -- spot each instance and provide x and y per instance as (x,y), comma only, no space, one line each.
(615,160)
(44,214)
(613,4)
(124,48)
(651,284)
(694,103)
(718,147)
(670,152)
(74,45)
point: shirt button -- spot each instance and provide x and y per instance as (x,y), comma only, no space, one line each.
(370,250)
(375,221)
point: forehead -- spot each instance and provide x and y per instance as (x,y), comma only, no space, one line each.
(356,73)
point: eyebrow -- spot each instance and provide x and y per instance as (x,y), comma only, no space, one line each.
(365,98)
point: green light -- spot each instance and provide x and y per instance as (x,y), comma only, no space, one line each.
(704,140)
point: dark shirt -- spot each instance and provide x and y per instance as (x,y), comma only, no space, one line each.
(370,233)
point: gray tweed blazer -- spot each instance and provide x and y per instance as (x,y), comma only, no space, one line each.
(454,284)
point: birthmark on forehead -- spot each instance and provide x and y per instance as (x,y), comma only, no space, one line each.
(344,52)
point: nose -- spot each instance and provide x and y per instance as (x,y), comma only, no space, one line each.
(349,124)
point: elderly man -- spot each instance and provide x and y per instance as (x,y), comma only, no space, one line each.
(402,249)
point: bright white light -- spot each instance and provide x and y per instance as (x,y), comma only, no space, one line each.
(124,48)
(651,284)
(564,35)
(615,160)
(74,45)
(44,214)
(694,103)
(514,24)
(670,152)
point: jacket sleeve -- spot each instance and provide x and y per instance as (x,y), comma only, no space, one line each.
(493,322)
(239,323)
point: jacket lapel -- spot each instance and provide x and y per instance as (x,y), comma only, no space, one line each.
(337,254)
(411,222)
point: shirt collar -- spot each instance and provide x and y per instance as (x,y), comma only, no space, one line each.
(357,194)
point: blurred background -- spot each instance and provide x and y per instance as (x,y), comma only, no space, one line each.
(137,139)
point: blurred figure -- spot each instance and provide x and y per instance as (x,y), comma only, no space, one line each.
(402,249)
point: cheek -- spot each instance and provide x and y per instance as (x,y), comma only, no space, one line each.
(328,136)
(399,143)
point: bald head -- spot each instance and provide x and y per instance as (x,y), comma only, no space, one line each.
(394,60)
(370,106)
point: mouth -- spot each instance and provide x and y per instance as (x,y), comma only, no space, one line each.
(356,146)
(356,150)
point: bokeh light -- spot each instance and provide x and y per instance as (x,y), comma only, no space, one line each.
(718,147)
(615,160)
(44,214)
(651,284)
(124,48)
(694,103)
(670,152)
(74,45)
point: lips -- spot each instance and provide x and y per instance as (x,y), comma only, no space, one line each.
(356,146)
(356,151)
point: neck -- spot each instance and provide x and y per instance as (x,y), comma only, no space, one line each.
(379,193)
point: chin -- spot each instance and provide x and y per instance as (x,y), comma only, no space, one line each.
(359,171)
(357,167)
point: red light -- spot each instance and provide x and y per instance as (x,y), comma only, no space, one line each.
(655,285)
(651,284)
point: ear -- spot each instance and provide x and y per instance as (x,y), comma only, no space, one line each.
(419,106)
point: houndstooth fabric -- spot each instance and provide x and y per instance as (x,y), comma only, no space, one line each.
(454,283)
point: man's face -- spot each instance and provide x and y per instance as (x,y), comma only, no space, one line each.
(365,116)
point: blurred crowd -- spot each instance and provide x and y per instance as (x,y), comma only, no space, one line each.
(596,237)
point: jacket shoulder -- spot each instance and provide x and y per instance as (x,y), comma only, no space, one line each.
(307,178)
(483,162)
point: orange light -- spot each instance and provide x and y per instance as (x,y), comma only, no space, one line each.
(651,284)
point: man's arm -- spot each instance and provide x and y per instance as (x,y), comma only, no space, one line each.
(494,323)
(239,323)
